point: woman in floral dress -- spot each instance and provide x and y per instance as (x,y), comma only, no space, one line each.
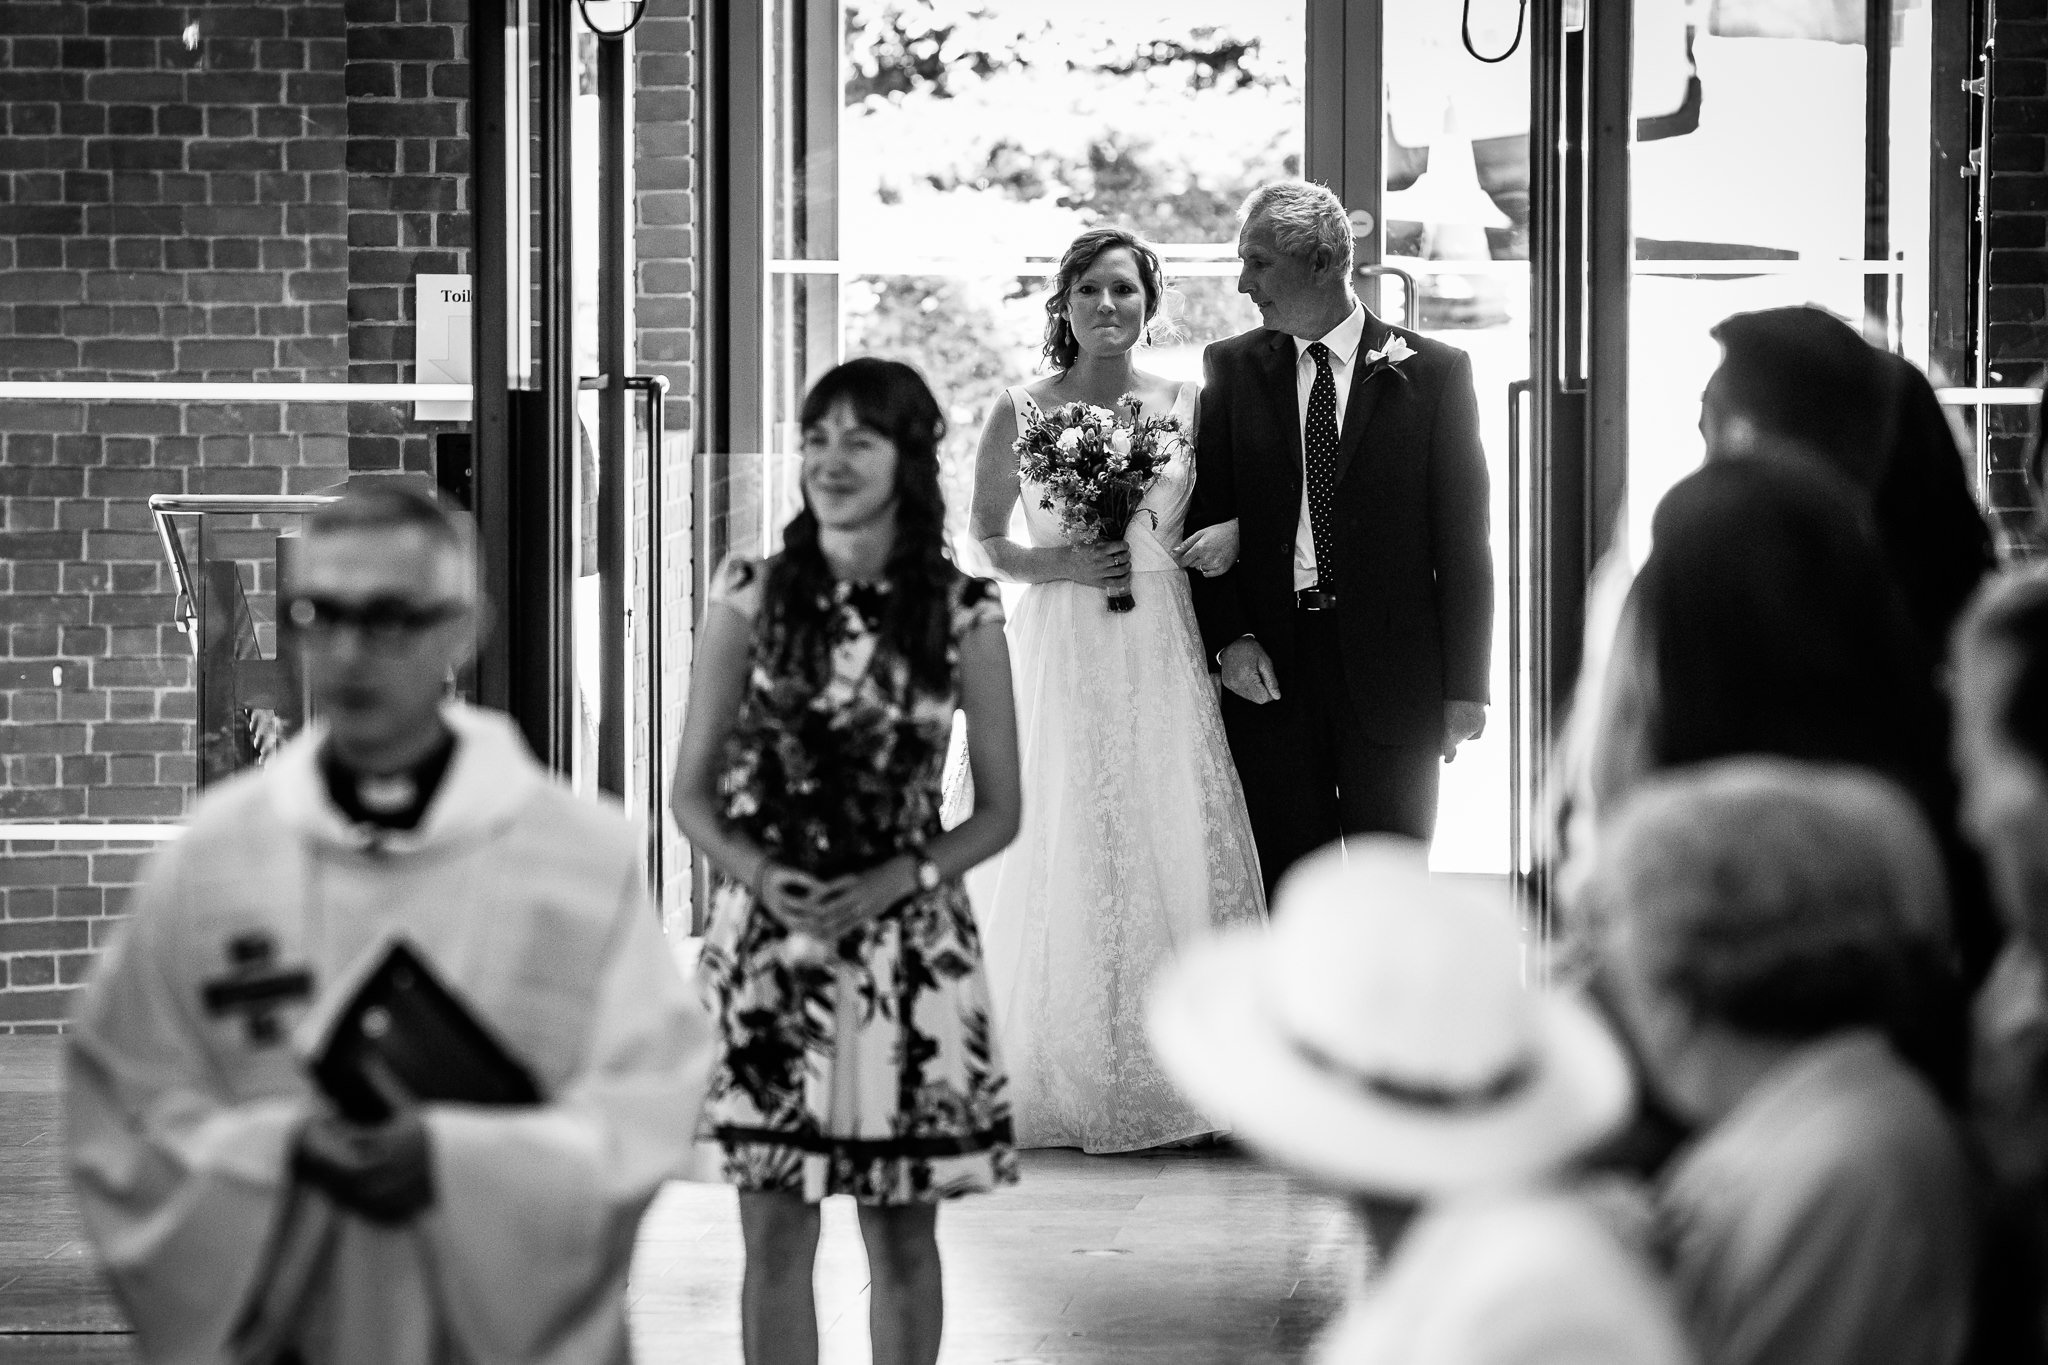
(841,955)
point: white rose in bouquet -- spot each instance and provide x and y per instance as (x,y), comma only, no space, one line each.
(1070,439)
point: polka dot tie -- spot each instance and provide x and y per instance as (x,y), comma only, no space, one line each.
(1319,444)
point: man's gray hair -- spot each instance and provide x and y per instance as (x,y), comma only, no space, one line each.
(1303,216)
(1745,876)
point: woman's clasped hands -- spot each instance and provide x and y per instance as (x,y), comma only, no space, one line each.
(831,909)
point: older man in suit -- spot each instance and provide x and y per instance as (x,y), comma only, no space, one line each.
(1353,631)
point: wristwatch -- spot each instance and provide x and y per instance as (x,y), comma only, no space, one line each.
(928,877)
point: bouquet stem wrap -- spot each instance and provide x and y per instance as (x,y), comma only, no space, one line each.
(1119,505)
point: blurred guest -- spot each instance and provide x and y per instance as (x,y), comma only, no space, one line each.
(1763,622)
(2001,691)
(1800,382)
(1759,918)
(238,1213)
(2001,694)
(1379,1041)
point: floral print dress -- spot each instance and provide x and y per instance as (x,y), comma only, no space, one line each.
(866,1066)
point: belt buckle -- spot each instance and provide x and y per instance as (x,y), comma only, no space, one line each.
(1315,599)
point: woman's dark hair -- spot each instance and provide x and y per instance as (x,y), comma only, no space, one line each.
(891,398)
(1772,626)
(1811,385)
(1765,621)
(1934,537)
(1060,346)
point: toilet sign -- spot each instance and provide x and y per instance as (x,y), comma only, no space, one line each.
(441,342)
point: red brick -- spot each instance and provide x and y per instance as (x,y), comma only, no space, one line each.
(117,869)
(46,870)
(42,739)
(47,1006)
(122,803)
(40,804)
(131,770)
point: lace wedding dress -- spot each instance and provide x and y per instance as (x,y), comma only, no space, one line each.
(1134,843)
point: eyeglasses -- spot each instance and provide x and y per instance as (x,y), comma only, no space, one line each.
(383,622)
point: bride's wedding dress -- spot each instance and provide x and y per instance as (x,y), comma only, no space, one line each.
(1134,841)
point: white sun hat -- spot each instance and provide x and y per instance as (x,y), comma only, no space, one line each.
(1379,1037)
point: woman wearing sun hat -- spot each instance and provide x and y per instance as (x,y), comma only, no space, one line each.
(1380,1041)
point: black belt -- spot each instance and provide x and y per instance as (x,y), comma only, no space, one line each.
(1315,599)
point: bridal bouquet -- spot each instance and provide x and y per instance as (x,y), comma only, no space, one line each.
(1096,466)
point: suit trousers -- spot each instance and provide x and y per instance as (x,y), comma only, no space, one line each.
(1310,774)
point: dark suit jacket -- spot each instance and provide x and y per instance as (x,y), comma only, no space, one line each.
(1415,602)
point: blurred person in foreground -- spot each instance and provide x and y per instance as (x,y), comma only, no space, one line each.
(1759,921)
(1799,382)
(237,1214)
(1763,622)
(2001,698)
(1380,1042)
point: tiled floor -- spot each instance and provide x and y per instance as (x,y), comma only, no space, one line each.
(1195,1259)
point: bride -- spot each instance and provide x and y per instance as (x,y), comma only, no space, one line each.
(1135,839)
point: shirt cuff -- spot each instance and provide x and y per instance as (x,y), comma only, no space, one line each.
(1219,653)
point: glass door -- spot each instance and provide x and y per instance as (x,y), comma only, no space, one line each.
(1690,162)
(1745,213)
(926,168)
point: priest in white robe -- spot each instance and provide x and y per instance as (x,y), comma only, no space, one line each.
(237,1214)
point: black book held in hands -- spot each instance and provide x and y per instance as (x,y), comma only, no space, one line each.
(403,1035)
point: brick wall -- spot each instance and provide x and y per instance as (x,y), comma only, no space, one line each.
(209,191)
(2018,310)
(667,209)
(172,209)
(407,84)
(60,903)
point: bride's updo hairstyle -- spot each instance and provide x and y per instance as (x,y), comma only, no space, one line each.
(1060,346)
(891,398)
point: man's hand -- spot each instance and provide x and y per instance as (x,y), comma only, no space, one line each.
(1248,671)
(1463,720)
(383,1171)
(1209,551)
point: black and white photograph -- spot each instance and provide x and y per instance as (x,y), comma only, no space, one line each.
(1023,682)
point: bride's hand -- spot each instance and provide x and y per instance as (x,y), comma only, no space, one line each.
(1211,550)
(1106,564)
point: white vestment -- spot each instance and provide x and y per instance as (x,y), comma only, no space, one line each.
(530,904)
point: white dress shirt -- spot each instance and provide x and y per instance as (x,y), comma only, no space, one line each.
(1343,341)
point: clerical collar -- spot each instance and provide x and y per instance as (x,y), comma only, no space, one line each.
(387,800)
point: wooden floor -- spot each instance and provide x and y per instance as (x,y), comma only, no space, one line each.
(1196,1259)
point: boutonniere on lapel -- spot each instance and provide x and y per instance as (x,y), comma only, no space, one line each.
(1396,350)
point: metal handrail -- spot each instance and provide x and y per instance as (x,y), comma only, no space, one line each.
(653,390)
(1518,834)
(164,506)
